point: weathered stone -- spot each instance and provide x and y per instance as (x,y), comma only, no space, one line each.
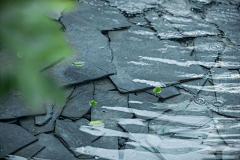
(166,92)
(79,105)
(193,86)
(82,122)
(90,46)
(139,21)
(54,149)
(41,120)
(225,129)
(29,124)
(226,86)
(94,14)
(103,85)
(207,50)
(12,138)
(170,27)
(134,125)
(138,64)
(111,100)
(145,108)
(30,150)
(227,18)
(72,137)
(132,6)
(13,106)
(230,58)
(134,33)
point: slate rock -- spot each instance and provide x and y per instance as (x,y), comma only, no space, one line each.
(54,149)
(89,46)
(192,86)
(72,137)
(134,125)
(227,95)
(207,49)
(145,108)
(30,150)
(12,138)
(82,122)
(13,106)
(148,57)
(79,105)
(94,14)
(227,18)
(29,122)
(230,58)
(132,6)
(103,85)
(107,108)
(41,120)
(170,27)
(134,33)
(139,21)
(166,92)
(225,129)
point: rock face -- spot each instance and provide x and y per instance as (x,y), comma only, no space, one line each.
(13,106)
(147,57)
(12,138)
(189,48)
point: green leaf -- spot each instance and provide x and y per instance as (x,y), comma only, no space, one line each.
(97,123)
(19,55)
(79,63)
(85,151)
(93,102)
(157,90)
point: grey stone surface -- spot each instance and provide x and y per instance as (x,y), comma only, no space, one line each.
(12,138)
(132,6)
(30,150)
(82,122)
(138,64)
(134,125)
(41,120)
(139,21)
(107,108)
(228,20)
(193,86)
(166,92)
(13,106)
(226,86)
(29,122)
(54,149)
(79,105)
(206,50)
(72,137)
(94,14)
(86,43)
(144,107)
(103,85)
(230,58)
(170,27)
(134,33)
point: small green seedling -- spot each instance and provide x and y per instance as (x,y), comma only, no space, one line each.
(85,151)
(78,63)
(92,102)
(97,123)
(157,90)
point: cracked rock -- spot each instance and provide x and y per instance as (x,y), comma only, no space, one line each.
(12,138)
(166,92)
(142,65)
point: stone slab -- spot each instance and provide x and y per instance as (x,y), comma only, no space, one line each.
(12,138)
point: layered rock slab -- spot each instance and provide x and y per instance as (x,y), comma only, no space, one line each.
(227,18)
(144,64)
(12,138)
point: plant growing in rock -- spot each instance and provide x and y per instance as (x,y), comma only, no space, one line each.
(157,90)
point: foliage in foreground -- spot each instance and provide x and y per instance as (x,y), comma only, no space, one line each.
(34,41)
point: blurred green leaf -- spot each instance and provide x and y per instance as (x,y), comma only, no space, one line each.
(93,102)
(97,123)
(157,90)
(37,40)
(79,63)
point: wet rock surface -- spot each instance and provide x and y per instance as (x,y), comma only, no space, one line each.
(189,48)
